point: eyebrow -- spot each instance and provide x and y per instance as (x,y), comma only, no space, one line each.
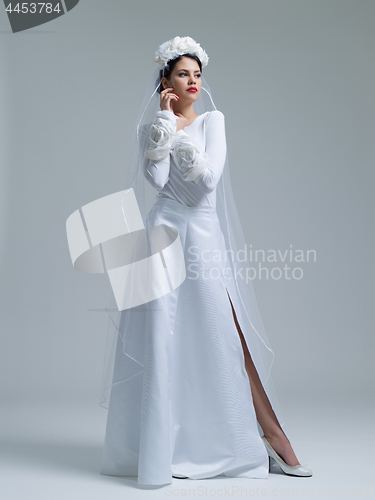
(196,71)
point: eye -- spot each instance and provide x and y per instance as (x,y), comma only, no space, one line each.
(183,73)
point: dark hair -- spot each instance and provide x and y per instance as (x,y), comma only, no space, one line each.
(171,64)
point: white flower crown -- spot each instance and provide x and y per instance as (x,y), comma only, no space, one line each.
(179,46)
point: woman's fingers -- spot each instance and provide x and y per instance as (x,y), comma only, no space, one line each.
(166,98)
(164,93)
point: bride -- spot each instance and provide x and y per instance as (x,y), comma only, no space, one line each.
(191,395)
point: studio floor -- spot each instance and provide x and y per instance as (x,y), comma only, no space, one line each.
(53,451)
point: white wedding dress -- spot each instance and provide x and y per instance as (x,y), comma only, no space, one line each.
(181,402)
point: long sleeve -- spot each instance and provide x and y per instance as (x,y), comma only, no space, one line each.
(159,139)
(203,167)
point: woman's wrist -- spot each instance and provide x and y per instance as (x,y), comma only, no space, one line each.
(167,115)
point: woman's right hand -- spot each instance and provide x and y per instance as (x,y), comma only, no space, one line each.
(166,99)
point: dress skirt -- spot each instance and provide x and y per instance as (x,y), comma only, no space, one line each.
(181,401)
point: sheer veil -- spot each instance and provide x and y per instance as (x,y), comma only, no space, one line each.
(253,329)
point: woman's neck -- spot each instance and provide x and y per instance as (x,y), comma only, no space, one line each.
(186,110)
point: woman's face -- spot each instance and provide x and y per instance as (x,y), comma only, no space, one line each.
(185,75)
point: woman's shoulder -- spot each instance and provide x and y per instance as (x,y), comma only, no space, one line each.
(214,116)
(215,113)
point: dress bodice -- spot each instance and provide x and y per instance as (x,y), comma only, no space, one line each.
(197,152)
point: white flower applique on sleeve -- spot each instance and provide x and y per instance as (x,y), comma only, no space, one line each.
(161,135)
(191,162)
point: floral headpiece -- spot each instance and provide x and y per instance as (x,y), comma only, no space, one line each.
(179,46)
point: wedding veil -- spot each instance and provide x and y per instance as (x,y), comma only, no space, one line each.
(254,332)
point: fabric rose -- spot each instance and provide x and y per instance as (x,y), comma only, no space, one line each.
(161,135)
(190,161)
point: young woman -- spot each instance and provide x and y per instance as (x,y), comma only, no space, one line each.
(191,393)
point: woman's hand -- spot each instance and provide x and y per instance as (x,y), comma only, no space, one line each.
(166,99)
(181,122)
(166,103)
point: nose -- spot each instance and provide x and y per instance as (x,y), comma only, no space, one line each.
(192,80)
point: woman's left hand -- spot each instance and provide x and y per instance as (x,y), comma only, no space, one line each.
(181,122)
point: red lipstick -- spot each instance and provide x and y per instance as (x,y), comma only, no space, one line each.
(192,89)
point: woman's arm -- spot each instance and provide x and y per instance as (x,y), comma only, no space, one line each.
(159,139)
(203,168)
(157,173)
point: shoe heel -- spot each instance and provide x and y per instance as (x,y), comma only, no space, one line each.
(291,470)
(271,462)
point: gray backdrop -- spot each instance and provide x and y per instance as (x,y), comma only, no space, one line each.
(295,80)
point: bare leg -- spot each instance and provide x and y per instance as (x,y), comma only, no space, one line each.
(263,409)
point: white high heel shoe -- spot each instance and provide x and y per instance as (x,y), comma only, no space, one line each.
(291,470)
